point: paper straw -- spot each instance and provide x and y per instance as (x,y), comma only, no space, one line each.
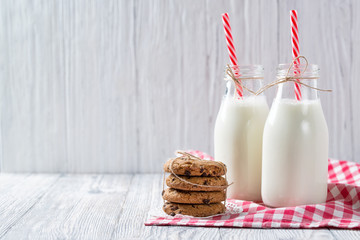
(295,49)
(231,49)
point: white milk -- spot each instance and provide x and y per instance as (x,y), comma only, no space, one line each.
(238,144)
(295,154)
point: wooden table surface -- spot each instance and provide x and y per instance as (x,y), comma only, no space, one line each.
(91,206)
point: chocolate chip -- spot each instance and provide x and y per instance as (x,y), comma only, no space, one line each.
(173,208)
(205,182)
(206,201)
(193,206)
(172,214)
(162,193)
(204,175)
(201,169)
(173,179)
(187,173)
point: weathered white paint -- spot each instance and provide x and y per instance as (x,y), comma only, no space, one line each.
(76,207)
(117,86)
(111,206)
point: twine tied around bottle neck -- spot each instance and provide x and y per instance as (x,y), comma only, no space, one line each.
(238,79)
(189,156)
(296,78)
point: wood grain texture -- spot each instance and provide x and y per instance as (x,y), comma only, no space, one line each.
(77,207)
(139,200)
(18,198)
(109,207)
(318,234)
(117,86)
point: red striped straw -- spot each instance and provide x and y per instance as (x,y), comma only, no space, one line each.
(231,49)
(295,49)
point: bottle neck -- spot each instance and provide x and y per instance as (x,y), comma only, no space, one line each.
(249,86)
(250,78)
(304,78)
(289,90)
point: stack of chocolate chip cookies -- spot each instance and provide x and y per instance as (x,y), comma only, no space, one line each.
(196,187)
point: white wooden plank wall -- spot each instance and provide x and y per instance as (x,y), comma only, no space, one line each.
(117,86)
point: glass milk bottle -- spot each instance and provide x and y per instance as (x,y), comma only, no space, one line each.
(238,134)
(295,144)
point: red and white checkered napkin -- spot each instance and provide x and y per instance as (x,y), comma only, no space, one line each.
(341,210)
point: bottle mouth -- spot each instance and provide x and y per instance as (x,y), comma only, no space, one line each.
(249,67)
(251,70)
(303,70)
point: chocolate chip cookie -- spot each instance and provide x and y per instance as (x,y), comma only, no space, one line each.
(214,183)
(195,167)
(179,196)
(196,210)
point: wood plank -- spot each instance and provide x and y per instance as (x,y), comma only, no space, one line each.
(9,181)
(102,95)
(33,124)
(355,83)
(177,232)
(335,44)
(246,233)
(21,197)
(77,207)
(136,206)
(345,234)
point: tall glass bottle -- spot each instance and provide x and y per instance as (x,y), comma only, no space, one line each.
(238,134)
